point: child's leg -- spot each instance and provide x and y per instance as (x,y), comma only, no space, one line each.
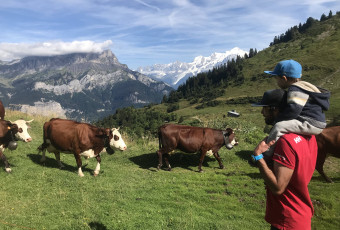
(290,126)
(278,130)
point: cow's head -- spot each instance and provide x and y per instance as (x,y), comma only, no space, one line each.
(117,141)
(24,126)
(229,138)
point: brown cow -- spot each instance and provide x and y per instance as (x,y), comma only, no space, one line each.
(7,140)
(2,111)
(80,139)
(192,139)
(328,143)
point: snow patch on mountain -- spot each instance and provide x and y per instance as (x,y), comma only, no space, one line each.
(134,99)
(49,109)
(89,82)
(177,73)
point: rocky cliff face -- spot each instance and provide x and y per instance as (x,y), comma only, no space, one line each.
(81,85)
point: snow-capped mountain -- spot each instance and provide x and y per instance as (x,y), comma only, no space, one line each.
(79,86)
(177,72)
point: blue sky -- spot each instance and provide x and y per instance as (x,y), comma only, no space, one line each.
(147,32)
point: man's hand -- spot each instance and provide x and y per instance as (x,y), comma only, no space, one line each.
(263,146)
(276,179)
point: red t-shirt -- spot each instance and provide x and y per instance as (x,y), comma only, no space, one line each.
(293,209)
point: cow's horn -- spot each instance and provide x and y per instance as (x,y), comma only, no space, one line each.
(30,121)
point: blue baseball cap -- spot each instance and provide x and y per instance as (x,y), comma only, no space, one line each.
(289,68)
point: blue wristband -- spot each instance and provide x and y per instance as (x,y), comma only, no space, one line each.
(256,158)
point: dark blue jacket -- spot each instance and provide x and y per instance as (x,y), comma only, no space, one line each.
(306,102)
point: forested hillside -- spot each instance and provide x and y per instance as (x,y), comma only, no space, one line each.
(315,44)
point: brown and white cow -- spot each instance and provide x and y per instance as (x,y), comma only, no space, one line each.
(80,139)
(24,125)
(328,143)
(7,132)
(193,139)
(2,111)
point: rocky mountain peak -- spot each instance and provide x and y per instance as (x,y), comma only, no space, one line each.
(177,73)
(83,85)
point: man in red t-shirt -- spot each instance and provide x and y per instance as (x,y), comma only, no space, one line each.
(288,203)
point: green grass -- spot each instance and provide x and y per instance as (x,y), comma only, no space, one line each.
(130,193)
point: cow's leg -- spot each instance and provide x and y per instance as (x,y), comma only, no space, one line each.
(42,149)
(79,164)
(319,166)
(96,171)
(218,158)
(160,159)
(57,157)
(4,159)
(166,159)
(43,155)
(203,152)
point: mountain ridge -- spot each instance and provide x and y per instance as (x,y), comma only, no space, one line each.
(177,73)
(76,83)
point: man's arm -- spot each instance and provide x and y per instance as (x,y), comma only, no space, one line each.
(276,179)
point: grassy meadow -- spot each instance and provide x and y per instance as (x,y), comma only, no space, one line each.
(130,193)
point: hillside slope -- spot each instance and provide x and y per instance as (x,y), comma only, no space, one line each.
(206,102)
(317,49)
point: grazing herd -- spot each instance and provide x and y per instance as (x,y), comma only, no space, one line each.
(81,139)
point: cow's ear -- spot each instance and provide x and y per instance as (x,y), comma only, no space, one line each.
(229,130)
(27,122)
(14,128)
(108,132)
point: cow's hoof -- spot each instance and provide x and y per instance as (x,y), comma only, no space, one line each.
(329,181)
(221,167)
(158,167)
(169,169)
(95,174)
(8,170)
(200,171)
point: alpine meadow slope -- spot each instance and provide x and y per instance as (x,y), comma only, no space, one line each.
(317,48)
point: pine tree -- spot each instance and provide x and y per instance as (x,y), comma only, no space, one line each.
(330,15)
(323,17)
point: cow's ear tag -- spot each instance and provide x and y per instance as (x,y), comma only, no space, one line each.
(8,127)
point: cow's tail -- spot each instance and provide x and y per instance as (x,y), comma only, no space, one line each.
(159,138)
(44,145)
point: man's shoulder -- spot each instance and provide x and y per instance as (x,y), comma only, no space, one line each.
(297,139)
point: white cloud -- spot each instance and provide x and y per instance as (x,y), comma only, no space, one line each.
(11,51)
(146,32)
